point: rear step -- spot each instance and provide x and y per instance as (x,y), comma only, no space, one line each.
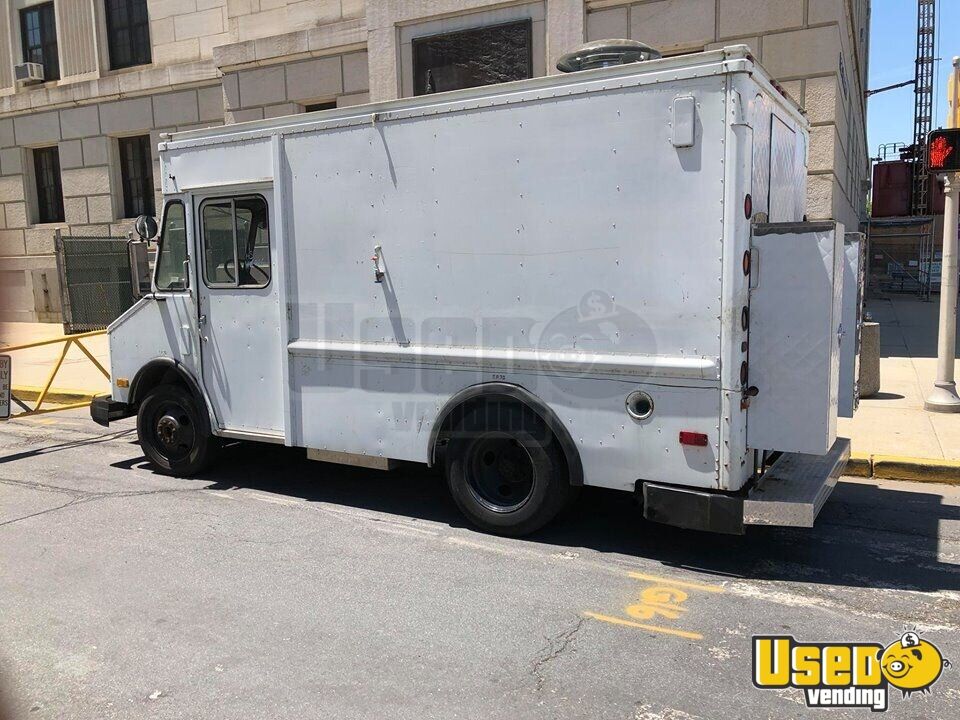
(793,489)
(790,493)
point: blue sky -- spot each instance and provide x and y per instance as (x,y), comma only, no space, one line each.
(893,47)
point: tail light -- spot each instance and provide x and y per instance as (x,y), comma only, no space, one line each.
(688,437)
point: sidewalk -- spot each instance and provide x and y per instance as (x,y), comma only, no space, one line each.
(77,379)
(893,423)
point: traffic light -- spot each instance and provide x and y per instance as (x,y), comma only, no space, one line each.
(943,151)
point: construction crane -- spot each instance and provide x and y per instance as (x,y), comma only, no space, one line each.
(923,101)
(922,124)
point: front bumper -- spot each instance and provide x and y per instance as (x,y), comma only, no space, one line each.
(103,409)
(790,493)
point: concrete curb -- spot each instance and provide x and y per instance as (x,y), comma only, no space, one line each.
(902,467)
(55,395)
(859,465)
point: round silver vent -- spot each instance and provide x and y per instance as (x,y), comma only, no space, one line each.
(604,53)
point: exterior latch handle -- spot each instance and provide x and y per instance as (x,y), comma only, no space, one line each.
(378,271)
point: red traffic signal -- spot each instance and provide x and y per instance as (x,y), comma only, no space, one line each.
(943,150)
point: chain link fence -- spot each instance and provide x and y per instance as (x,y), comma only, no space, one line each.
(95,281)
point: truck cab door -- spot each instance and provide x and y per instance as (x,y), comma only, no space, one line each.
(239,311)
(173,287)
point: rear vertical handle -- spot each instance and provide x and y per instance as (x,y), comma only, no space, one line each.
(754,268)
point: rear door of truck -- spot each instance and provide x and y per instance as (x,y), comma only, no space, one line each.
(794,336)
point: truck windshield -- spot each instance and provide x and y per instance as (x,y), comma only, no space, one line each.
(172,255)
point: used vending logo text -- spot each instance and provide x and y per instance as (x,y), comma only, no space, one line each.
(847,674)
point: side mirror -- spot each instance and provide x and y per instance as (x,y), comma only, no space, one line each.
(146,227)
(139,268)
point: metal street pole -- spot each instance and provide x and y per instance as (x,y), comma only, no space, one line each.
(944,397)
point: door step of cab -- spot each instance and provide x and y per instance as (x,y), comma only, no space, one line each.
(793,489)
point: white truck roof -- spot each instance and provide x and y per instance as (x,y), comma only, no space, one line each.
(732,58)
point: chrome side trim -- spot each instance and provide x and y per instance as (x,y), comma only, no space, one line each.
(699,368)
(250,435)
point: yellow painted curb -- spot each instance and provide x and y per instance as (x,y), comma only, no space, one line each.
(54,395)
(859,465)
(903,467)
(899,467)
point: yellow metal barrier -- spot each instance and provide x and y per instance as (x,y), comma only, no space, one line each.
(68,341)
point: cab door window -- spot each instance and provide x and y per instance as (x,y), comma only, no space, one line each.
(236,242)
(171,273)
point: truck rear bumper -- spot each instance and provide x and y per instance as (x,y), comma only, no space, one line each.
(103,409)
(790,493)
(793,489)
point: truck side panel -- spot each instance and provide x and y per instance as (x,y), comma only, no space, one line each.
(389,412)
(563,226)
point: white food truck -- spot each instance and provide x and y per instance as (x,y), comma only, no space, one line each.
(603,277)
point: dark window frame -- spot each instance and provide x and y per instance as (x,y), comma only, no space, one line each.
(46,44)
(48,184)
(320,106)
(235,285)
(128,39)
(421,42)
(136,175)
(160,246)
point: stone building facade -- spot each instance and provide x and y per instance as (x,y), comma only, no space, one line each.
(127,70)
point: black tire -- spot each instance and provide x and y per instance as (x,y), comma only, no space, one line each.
(174,432)
(505,469)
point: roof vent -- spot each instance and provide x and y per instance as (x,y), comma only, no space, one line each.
(604,53)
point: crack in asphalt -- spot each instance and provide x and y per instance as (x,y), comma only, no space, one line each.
(73,501)
(66,445)
(556,646)
(84,496)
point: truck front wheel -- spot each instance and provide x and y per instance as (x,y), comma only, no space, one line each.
(173,433)
(505,469)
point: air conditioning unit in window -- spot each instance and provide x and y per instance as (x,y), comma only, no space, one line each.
(28,72)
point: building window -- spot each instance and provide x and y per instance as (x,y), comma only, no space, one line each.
(38,34)
(128,33)
(46,169)
(316,107)
(468,58)
(136,175)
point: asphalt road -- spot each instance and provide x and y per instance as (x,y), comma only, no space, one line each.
(275,587)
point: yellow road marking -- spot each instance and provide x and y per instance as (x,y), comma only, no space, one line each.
(676,583)
(642,626)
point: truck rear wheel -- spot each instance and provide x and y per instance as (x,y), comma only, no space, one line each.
(505,469)
(173,433)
